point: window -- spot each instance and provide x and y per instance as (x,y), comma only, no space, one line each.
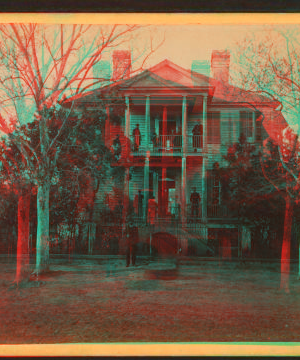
(246,123)
(216,190)
(230,128)
(213,122)
(258,130)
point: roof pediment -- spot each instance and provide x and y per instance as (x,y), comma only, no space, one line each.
(166,75)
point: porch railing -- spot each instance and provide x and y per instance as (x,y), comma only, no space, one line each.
(218,211)
(174,213)
(194,143)
(167,145)
(193,214)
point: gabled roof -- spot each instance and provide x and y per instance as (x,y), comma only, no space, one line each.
(168,76)
(173,75)
(165,74)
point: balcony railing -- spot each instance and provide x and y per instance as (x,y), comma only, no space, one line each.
(168,145)
(218,211)
(174,214)
(193,214)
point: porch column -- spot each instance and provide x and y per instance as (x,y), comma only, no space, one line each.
(163,191)
(146,184)
(184,125)
(164,128)
(204,162)
(183,190)
(125,208)
(155,185)
(127,126)
(204,188)
(204,122)
(253,127)
(147,123)
(107,128)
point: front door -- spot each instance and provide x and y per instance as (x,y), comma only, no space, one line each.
(171,127)
(166,197)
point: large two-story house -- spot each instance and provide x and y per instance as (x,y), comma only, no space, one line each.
(173,127)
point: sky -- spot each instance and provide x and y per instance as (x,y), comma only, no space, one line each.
(184,43)
(181,43)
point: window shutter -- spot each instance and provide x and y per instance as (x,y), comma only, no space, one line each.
(225,128)
(246,121)
(214,131)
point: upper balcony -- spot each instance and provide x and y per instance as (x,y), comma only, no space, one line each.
(168,145)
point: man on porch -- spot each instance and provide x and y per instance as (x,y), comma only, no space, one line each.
(137,138)
(195,203)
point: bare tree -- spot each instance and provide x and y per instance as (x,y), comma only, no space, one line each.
(267,63)
(41,65)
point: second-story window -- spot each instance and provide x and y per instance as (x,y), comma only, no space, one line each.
(246,123)
(213,127)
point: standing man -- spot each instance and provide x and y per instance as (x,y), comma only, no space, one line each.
(132,238)
(140,204)
(116,145)
(178,140)
(195,202)
(154,139)
(137,137)
(197,132)
(152,210)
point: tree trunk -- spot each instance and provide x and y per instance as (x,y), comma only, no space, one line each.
(42,241)
(286,245)
(23,237)
(92,236)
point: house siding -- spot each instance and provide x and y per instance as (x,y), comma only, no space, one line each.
(136,182)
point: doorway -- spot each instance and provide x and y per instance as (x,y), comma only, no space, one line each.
(166,196)
(171,127)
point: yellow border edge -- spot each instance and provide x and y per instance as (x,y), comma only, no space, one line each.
(159,349)
(151,18)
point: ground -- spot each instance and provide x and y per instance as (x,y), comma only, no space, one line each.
(199,301)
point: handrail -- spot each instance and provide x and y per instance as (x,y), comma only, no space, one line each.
(167,144)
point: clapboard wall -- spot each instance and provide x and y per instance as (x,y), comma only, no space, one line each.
(194,177)
(136,182)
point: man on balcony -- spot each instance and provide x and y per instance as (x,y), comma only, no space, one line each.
(197,134)
(195,203)
(154,139)
(137,138)
(178,140)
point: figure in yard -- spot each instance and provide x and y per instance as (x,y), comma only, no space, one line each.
(117,147)
(137,137)
(152,210)
(140,203)
(132,238)
(197,132)
(195,203)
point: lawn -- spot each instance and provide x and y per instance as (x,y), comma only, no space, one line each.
(200,302)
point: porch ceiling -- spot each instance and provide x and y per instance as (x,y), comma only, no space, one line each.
(162,100)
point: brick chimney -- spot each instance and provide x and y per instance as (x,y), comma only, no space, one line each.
(220,65)
(121,64)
